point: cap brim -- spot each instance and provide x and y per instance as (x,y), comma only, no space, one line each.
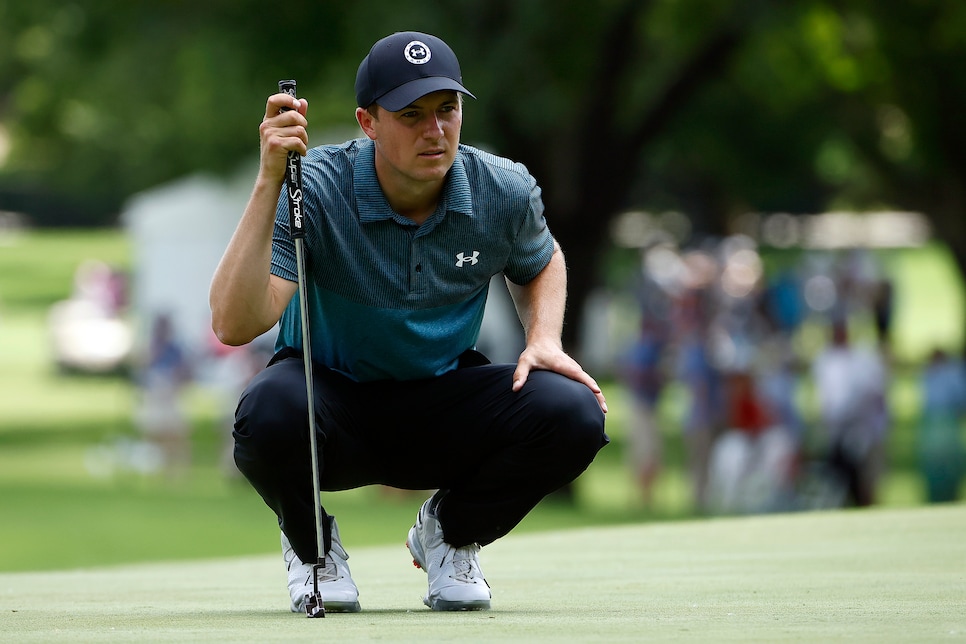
(408,93)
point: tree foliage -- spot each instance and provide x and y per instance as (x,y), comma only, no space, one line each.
(710,108)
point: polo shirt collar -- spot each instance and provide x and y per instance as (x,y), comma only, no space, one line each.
(372,203)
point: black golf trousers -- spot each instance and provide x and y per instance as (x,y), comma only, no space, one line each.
(491,452)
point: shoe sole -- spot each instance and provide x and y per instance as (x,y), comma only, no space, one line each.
(331,607)
(443,605)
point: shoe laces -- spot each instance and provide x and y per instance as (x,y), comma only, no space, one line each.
(329,572)
(464,563)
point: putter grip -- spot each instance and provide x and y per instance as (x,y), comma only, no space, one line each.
(293,175)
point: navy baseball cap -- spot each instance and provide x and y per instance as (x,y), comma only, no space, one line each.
(405,66)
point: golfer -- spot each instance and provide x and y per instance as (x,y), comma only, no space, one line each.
(404,227)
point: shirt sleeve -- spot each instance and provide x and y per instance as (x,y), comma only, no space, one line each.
(533,245)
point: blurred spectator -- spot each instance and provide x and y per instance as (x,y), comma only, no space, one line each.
(942,454)
(783,304)
(778,384)
(700,378)
(101,285)
(642,369)
(883,305)
(88,332)
(752,462)
(162,379)
(851,385)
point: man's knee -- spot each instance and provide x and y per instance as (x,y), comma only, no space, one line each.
(572,414)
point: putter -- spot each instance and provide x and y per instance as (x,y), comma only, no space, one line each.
(314,607)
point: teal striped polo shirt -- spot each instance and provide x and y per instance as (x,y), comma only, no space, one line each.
(390,299)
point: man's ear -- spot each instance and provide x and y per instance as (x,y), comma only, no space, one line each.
(365,119)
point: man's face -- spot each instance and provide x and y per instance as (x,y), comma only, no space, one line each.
(419,142)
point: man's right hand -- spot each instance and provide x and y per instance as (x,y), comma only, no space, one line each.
(282,129)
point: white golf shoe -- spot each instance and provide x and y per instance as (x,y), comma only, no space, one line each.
(339,592)
(455,579)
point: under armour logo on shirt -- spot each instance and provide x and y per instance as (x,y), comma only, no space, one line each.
(462,259)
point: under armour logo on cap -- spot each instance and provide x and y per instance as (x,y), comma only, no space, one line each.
(405,66)
(417,53)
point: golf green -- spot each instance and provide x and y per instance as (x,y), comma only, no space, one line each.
(874,575)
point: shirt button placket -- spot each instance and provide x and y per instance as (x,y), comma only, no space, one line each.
(415,267)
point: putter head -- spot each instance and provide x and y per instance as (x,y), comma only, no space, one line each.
(314,607)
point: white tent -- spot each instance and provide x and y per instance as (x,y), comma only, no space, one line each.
(178,233)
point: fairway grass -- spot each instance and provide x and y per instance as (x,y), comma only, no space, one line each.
(883,575)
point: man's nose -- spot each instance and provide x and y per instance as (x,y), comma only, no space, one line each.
(433,127)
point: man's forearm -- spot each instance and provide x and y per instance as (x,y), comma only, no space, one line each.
(245,302)
(542,302)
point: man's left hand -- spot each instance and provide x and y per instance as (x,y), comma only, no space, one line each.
(553,358)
